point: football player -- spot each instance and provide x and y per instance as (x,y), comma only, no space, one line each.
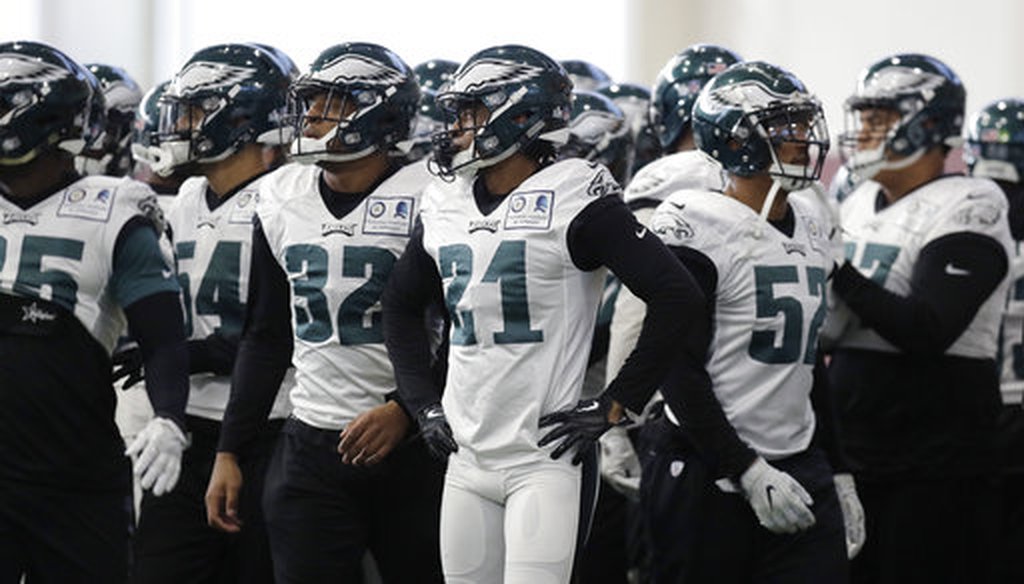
(585,75)
(112,154)
(79,257)
(347,475)
(995,150)
(736,469)
(914,375)
(144,145)
(514,245)
(683,166)
(635,100)
(219,113)
(431,75)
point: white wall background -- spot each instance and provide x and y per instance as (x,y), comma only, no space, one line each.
(825,42)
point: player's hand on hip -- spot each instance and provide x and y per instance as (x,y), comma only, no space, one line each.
(373,434)
(156,455)
(222,494)
(579,426)
(128,366)
(853,513)
(781,504)
(436,431)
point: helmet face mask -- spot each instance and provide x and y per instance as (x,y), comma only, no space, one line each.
(111,155)
(224,98)
(47,100)
(369,96)
(527,97)
(756,118)
(921,102)
(995,141)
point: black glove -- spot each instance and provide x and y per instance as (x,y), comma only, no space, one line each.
(580,425)
(128,364)
(436,431)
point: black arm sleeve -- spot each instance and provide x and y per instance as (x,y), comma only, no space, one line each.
(214,354)
(157,325)
(413,286)
(688,389)
(606,233)
(953,276)
(264,352)
(826,432)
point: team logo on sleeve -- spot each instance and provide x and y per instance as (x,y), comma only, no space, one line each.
(603,185)
(530,210)
(981,213)
(390,215)
(670,225)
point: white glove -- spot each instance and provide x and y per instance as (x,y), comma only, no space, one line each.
(156,455)
(780,503)
(853,513)
(620,466)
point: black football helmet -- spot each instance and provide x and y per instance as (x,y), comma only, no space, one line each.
(47,100)
(528,96)
(376,90)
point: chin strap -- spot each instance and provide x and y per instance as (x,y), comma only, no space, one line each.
(769,200)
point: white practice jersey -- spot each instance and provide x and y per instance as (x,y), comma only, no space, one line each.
(214,252)
(62,249)
(884,246)
(1012,341)
(769,305)
(337,267)
(522,313)
(689,170)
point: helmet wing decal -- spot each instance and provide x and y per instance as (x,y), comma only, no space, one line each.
(895,80)
(205,75)
(353,69)
(746,96)
(21,69)
(485,73)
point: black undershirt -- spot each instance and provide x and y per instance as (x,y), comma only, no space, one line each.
(603,234)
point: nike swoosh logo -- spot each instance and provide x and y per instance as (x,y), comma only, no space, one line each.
(589,407)
(640,233)
(955,271)
(768,493)
(434,414)
(167,274)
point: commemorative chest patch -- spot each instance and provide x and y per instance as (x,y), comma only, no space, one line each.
(244,207)
(92,205)
(530,210)
(389,215)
